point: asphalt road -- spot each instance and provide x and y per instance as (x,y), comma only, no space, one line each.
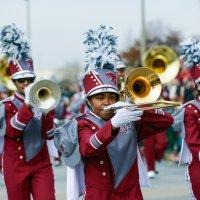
(169,184)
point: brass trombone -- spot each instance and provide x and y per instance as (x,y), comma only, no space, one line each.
(143,87)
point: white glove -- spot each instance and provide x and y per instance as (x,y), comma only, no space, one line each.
(117,105)
(26,93)
(124,116)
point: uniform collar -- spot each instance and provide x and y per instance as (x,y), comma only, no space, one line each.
(19,96)
(96,116)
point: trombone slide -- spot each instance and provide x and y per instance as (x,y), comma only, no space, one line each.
(147,106)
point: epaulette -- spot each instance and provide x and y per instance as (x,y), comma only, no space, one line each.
(11,98)
(81,116)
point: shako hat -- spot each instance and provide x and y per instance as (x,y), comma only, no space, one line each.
(101,60)
(17,50)
(190,53)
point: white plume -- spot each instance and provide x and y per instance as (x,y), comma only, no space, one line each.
(100,49)
(190,52)
(12,42)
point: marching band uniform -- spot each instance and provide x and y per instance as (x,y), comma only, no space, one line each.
(192,130)
(107,145)
(26,164)
(190,152)
(3,95)
(25,152)
(110,157)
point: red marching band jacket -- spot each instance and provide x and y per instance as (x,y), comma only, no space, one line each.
(192,129)
(101,171)
(18,116)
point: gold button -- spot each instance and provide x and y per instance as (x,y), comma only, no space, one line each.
(21,157)
(104,173)
(19,148)
(18,139)
(93,127)
(195,111)
(101,162)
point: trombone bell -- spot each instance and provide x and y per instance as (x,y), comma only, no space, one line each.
(142,85)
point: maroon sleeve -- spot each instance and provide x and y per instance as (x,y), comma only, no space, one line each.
(153,122)
(93,140)
(48,125)
(16,119)
(192,129)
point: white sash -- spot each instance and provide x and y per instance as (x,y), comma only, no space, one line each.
(75,182)
(143,177)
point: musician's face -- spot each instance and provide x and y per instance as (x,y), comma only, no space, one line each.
(99,101)
(22,83)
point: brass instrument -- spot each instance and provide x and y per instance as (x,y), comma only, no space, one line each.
(162,60)
(5,77)
(143,87)
(45,95)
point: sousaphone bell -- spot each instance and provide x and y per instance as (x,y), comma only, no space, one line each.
(5,77)
(164,61)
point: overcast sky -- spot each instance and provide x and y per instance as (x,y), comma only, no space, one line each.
(57,26)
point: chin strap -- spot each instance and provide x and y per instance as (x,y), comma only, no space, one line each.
(89,104)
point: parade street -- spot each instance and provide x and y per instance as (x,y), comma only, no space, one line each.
(170,184)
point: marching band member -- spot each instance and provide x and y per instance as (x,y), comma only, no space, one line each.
(108,140)
(3,95)
(190,153)
(26,165)
(154,148)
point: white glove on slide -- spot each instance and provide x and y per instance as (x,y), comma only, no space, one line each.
(126,115)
